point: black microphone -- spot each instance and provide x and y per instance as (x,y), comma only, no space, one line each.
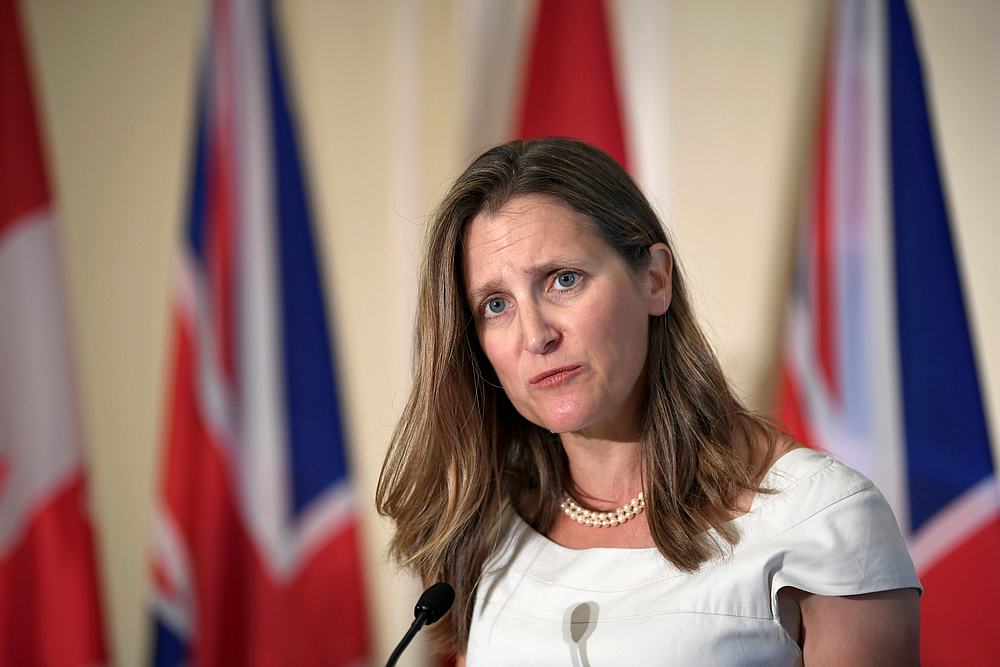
(432,605)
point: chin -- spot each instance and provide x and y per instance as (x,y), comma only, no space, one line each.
(558,429)
(562,414)
(567,420)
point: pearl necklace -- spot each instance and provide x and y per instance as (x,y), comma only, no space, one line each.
(610,519)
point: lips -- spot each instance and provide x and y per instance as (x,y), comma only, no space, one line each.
(554,376)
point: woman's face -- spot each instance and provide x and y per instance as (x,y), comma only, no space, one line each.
(561,317)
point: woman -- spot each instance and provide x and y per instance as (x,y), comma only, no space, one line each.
(573,461)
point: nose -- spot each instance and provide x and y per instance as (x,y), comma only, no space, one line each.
(539,333)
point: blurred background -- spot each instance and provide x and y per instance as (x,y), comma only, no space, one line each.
(391,100)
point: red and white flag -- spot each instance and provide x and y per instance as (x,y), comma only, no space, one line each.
(586,69)
(570,85)
(50,612)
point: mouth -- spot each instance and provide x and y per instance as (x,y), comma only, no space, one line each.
(554,376)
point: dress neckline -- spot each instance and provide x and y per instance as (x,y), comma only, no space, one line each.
(778,477)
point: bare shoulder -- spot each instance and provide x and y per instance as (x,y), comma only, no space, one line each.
(880,628)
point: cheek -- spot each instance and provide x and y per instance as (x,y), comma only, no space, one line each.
(498,355)
(504,358)
(624,330)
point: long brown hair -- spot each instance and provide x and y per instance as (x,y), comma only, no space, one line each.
(461,458)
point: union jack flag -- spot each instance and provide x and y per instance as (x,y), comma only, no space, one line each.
(255,544)
(878,365)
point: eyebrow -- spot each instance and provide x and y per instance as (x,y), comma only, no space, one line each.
(476,295)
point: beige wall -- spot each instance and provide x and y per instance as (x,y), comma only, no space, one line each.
(116,78)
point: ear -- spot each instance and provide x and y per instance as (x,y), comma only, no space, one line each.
(658,287)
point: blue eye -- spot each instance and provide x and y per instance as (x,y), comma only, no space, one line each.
(566,280)
(495,307)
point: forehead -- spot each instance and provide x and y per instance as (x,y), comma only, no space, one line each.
(525,220)
(528,232)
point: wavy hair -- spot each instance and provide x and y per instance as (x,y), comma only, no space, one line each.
(462,459)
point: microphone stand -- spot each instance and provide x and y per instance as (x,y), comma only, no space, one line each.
(415,627)
(432,605)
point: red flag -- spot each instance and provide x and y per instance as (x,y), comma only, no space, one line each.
(570,86)
(49,603)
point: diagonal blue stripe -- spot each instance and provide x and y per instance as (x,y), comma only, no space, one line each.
(168,649)
(947,444)
(197,215)
(315,434)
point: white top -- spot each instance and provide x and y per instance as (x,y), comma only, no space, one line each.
(828,531)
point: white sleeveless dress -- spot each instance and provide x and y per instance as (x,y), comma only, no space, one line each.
(828,531)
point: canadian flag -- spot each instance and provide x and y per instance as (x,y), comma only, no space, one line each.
(49,603)
(570,87)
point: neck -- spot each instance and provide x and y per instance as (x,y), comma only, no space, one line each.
(605,473)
